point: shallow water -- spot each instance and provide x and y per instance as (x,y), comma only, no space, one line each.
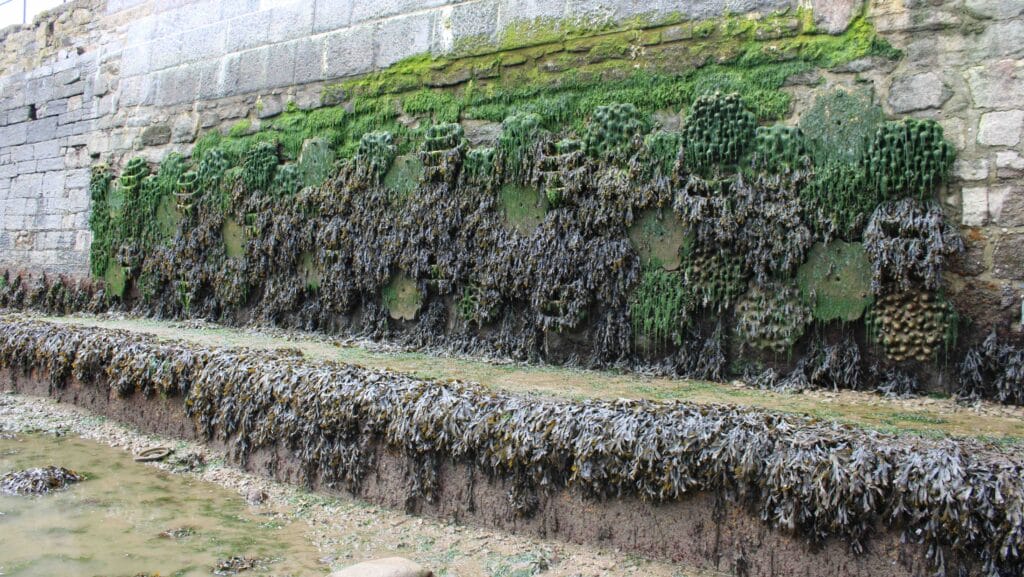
(110,524)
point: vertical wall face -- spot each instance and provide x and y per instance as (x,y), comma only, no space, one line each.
(100,81)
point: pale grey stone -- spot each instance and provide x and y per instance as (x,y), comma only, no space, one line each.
(918,92)
(466,27)
(995,8)
(1009,164)
(40,130)
(363,11)
(309,60)
(998,84)
(971,170)
(1006,206)
(349,52)
(184,128)
(331,15)
(481,132)
(252,71)
(1001,39)
(402,37)
(201,44)
(1001,128)
(974,208)
(834,16)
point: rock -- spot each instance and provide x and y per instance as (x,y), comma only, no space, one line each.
(268,106)
(255,496)
(971,171)
(389,567)
(1006,206)
(481,132)
(184,129)
(156,135)
(975,206)
(834,16)
(997,84)
(918,92)
(1009,164)
(995,8)
(1006,259)
(1001,128)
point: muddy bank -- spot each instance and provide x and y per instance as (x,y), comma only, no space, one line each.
(697,531)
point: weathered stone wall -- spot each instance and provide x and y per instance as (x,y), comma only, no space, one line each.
(102,80)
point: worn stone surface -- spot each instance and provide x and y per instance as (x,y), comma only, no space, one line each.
(834,16)
(1007,258)
(389,567)
(1001,128)
(918,92)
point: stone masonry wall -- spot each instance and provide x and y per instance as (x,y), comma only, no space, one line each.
(103,80)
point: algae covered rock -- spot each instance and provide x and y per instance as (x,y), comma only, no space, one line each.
(836,281)
(771,317)
(38,481)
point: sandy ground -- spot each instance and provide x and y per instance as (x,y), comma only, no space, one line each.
(347,531)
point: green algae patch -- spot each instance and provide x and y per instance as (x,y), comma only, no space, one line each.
(402,298)
(116,280)
(404,176)
(659,237)
(524,207)
(234,239)
(836,281)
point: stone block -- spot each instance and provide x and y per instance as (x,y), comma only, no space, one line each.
(202,44)
(48,149)
(40,130)
(137,90)
(194,15)
(998,84)
(1001,39)
(177,85)
(974,206)
(834,16)
(971,170)
(291,21)
(280,65)
(378,9)
(165,52)
(398,38)
(332,15)
(1001,128)
(136,59)
(348,52)
(47,164)
(918,92)
(465,27)
(1009,164)
(1006,259)
(217,78)
(252,71)
(999,9)
(1006,206)
(184,128)
(22,153)
(309,60)
(155,135)
(269,106)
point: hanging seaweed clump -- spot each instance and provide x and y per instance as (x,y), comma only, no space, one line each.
(909,157)
(908,241)
(993,370)
(615,132)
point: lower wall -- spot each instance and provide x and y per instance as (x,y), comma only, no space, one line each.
(698,532)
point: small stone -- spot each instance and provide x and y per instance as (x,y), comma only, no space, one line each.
(975,206)
(1006,259)
(184,129)
(1006,206)
(995,8)
(481,132)
(971,170)
(834,16)
(155,135)
(1001,128)
(267,106)
(918,92)
(1009,164)
(256,496)
(389,567)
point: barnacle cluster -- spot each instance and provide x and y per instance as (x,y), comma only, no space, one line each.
(914,324)
(771,317)
(716,278)
(960,499)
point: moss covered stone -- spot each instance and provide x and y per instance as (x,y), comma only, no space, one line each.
(524,207)
(658,237)
(402,298)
